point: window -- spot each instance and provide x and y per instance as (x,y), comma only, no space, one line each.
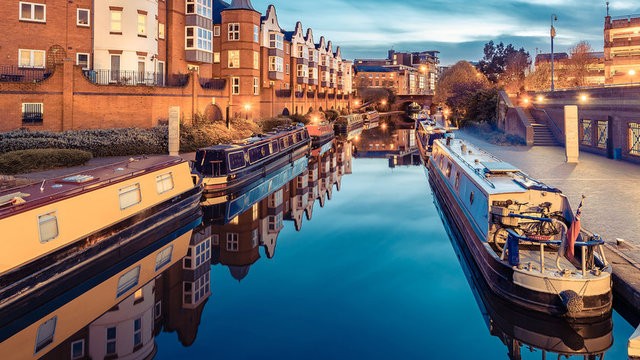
(256,60)
(256,33)
(83,18)
(254,212)
(77,349)
(634,138)
(141,69)
(31,58)
(457,181)
(254,238)
(301,52)
(164,182)
(137,332)
(115,68)
(215,239)
(287,69)
(234,59)
(32,113)
(33,12)
(199,7)
(201,253)
(302,70)
(164,257)
(216,57)
(82,60)
(232,242)
(276,41)
(157,310)
(586,138)
(313,73)
(129,196)
(216,30)
(160,30)
(48,225)
(256,86)
(128,281)
(116,21)
(111,341)
(603,134)
(45,333)
(275,222)
(276,63)
(235,86)
(198,290)
(197,38)
(234,32)
(448,171)
(471,198)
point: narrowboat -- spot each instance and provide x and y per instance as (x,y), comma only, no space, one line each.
(426,133)
(349,126)
(371,119)
(521,233)
(320,132)
(229,167)
(52,227)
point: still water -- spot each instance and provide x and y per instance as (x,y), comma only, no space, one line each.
(373,274)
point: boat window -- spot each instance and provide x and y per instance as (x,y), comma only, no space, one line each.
(164,182)
(48,225)
(77,349)
(164,257)
(236,160)
(129,196)
(457,182)
(298,136)
(448,171)
(471,198)
(45,334)
(128,281)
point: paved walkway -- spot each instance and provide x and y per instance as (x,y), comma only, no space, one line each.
(611,207)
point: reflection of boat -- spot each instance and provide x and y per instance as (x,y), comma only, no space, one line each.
(518,247)
(426,133)
(228,167)
(62,222)
(349,126)
(321,132)
(421,115)
(371,119)
(517,327)
(53,323)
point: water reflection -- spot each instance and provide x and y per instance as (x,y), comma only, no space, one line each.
(393,139)
(525,331)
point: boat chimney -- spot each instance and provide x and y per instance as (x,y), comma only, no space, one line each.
(463,148)
(448,141)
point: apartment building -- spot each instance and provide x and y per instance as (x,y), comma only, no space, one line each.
(622,49)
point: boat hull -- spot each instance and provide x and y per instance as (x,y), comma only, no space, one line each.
(501,278)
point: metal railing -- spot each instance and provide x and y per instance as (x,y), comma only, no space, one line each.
(12,73)
(216,84)
(135,78)
(283,93)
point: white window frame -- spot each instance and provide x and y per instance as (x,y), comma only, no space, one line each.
(161,31)
(45,335)
(216,57)
(128,281)
(216,30)
(276,63)
(235,86)
(157,310)
(109,341)
(303,71)
(200,7)
(141,24)
(235,55)
(233,242)
(256,34)
(126,191)
(112,22)
(81,341)
(47,219)
(78,23)
(24,106)
(164,257)
(233,33)
(164,182)
(256,60)
(200,289)
(33,6)
(88,60)
(276,41)
(256,86)
(32,64)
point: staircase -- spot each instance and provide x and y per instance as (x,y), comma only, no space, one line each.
(542,136)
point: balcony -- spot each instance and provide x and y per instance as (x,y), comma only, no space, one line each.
(635,41)
(340,87)
(299,94)
(303,80)
(215,84)
(276,52)
(313,81)
(322,95)
(199,56)
(311,94)
(134,78)
(276,75)
(332,71)
(322,67)
(12,73)
(283,93)
(324,84)
(302,61)
(332,96)
(312,64)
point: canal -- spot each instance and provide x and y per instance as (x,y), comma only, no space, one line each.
(372,274)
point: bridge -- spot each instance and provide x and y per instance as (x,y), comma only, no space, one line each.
(402,101)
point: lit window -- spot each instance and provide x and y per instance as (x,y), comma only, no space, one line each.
(77,349)
(128,281)
(48,225)
(634,138)
(164,257)
(83,18)
(161,30)
(164,182)
(116,21)
(216,57)
(129,196)
(31,58)
(256,60)
(256,33)
(46,332)
(234,32)
(234,59)
(256,86)
(254,210)
(82,60)
(232,242)
(33,12)
(235,85)
(216,30)
(137,332)
(111,341)
(32,113)
(276,63)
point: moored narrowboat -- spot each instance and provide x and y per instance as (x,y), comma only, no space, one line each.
(522,234)
(371,119)
(320,132)
(348,126)
(426,133)
(53,226)
(229,167)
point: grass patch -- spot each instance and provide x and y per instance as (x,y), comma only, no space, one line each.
(494,136)
(24,161)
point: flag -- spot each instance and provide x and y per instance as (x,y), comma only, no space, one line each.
(574,231)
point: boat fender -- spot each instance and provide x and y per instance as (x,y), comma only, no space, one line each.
(572,302)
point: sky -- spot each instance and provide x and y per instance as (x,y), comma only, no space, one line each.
(457,28)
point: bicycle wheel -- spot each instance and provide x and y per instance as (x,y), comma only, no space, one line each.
(552,228)
(500,237)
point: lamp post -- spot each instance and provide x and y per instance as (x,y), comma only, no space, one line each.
(632,73)
(553,34)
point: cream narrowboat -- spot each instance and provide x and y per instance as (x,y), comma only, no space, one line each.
(516,229)
(50,227)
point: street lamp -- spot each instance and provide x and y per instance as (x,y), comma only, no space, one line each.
(553,34)
(247,108)
(632,73)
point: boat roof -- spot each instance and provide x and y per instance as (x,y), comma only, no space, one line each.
(492,174)
(26,197)
(256,138)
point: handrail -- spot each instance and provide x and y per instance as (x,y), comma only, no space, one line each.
(476,171)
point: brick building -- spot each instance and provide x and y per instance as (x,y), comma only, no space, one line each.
(622,49)
(118,63)
(562,63)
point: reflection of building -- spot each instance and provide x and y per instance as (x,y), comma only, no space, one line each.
(381,142)
(622,49)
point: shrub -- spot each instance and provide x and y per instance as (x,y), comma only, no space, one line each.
(23,161)
(267,125)
(332,114)
(297,118)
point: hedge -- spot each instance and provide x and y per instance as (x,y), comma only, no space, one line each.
(24,161)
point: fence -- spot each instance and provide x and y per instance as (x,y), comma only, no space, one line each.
(135,78)
(12,73)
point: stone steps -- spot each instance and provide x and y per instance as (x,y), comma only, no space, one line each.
(542,136)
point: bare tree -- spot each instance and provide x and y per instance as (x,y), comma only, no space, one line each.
(540,78)
(577,68)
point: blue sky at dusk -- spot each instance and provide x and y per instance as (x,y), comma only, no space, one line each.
(457,28)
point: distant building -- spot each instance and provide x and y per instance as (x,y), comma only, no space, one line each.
(596,68)
(622,49)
